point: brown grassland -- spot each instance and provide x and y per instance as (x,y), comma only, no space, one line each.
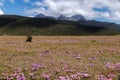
(57,57)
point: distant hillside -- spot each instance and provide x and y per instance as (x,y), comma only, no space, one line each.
(18,25)
(6,19)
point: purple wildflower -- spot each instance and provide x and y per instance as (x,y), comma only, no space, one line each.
(46,76)
(36,67)
(117,67)
(20,77)
(77,57)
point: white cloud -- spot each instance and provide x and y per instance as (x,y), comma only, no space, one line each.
(83,7)
(26,1)
(12,1)
(1,2)
(31,16)
(1,12)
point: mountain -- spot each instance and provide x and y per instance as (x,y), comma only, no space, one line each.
(41,16)
(77,17)
(62,17)
(19,25)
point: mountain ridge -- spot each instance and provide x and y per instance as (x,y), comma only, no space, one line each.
(49,26)
(63,17)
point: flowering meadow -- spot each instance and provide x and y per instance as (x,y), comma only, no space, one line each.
(60,58)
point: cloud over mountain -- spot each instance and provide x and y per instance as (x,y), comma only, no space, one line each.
(103,10)
(107,9)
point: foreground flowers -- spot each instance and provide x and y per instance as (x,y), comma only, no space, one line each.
(115,67)
(17,75)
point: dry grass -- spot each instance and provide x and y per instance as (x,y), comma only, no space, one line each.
(80,54)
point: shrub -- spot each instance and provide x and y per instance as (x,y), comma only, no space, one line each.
(29,38)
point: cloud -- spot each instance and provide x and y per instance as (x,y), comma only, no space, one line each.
(1,2)
(83,7)
(12,1)
(1,12)
(26,1)
(31,16)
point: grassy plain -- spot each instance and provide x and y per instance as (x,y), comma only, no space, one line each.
(59,56)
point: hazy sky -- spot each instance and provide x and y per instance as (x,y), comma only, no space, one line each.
(103,10)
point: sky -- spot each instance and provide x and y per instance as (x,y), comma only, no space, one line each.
(101,10)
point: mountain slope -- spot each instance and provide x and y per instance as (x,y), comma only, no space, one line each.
(98,23)
(49,26)
(5,19)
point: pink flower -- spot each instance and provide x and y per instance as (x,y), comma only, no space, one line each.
(61,78)
(36,67)
(85,75)
(62,61)
(109,65)
(109,79)
(2,52)
(10,78)
(93,58)
(18,70)
(74,76)
(31,75)
(92,64)
(43,54)
(13,75)
(21,77)
(117,67)
(77,56)
(46,76)
(101,77)
(56,71)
